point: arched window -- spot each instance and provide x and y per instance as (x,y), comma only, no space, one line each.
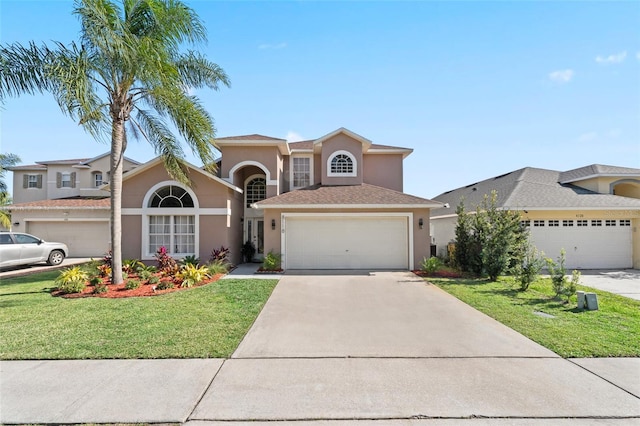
(342,163)
(171,196)
(256,190)
(171,220)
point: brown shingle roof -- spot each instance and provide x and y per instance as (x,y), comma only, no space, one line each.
(341,196)
(309,145)
(63,203)
(254,137)
(72,161)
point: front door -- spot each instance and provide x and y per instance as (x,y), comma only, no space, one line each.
(255,234)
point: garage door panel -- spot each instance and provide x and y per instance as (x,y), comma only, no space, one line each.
(589,247)
(346,243)
(84,239)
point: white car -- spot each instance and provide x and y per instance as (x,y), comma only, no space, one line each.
(23,249)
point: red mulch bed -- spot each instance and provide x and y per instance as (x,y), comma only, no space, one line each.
(117,291)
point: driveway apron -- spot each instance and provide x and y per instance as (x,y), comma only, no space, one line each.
(387,345)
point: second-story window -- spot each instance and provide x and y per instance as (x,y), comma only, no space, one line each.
(33,181)
(66,180)
(342,163)
(301,172)
(256,190)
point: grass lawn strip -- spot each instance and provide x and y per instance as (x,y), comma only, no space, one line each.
(203,322)
(612,331)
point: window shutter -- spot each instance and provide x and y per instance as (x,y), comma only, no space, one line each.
(39,181)
(25,181)
(73,179)
(58,180)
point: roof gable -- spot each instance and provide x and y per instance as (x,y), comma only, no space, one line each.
(597,170)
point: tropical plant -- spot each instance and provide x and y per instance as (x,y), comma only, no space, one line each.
(248,251)
(220,255)
(131,266)
(431,264)
(127,68)
(132,284)
(190,260)
(164,285)
(6,160)
(191,275)
(218,267)
(527,269)
(71,280)
(166,263)
(153,279)
(272,261)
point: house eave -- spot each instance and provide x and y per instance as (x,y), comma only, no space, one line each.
(346,206)
(600,175)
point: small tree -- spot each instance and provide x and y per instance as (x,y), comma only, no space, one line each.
(463,239)
(561,285)
(528,267)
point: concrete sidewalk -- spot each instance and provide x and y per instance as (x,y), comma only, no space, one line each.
(381,348)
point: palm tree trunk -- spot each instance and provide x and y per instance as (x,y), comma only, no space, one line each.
(116,165)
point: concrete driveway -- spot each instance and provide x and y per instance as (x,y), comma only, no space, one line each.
(625,282)
(387,345)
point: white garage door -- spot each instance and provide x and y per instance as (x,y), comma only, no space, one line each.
(356,242)
(589,244)
(84,239)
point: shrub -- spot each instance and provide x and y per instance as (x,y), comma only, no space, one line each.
(166,263)
(144,275)
(561,285)
(220,255)
(95,280)
(104,270)
(72,280)
(153,279)
(132,284)
(100,288)
(164,285)
(191,275)
(218,267)
(272,261)
(190,260)
(527,270)
(108,259)
(131,266)
(248,251)
(430,265)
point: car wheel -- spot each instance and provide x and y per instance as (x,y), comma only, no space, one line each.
(55,258)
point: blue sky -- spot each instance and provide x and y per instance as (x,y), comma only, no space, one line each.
(477,89)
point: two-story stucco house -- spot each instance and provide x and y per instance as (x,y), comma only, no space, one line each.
(330,203)
(65,200)
(592,212)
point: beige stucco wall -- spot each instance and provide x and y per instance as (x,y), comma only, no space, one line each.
(629,187)
(341,142)
(132,237)
(69,215)
(25,195)
(421,237)
(383,170)
(635,237)
(269,157)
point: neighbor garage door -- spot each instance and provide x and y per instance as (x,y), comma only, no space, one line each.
(589,244)
(84,239)
(346,242)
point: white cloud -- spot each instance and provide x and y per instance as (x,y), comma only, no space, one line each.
(561,76)
(612,59)
(293,136)
(272,46)
(588,137)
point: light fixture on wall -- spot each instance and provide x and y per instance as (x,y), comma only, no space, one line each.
(273,224)
(16,223)
(420,223)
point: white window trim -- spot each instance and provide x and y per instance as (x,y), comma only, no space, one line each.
(184,211)
(62,181)
(244,189)
(348,154)
(310,157)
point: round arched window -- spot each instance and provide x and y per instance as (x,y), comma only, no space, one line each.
(170,197)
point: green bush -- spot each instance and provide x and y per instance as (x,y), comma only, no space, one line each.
(131,266)
(95,280)
(100,288)
(153,279)
(430,265)
(561,285)
(272,261)
(528,268)
(190,260)
(72,280)
(164,285)
(218,267)
(191,275)
(144,275)
(132,284)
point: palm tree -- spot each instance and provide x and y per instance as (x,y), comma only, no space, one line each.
(126,76)
(6,160)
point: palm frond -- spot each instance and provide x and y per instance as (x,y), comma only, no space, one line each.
(22,70)
(196,71)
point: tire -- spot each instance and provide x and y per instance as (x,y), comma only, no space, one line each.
(55,257)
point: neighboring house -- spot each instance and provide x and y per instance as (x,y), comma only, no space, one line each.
(592,212)
(65,201)
(334,202)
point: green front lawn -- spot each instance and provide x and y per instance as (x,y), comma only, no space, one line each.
(612,331)
(202,322)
